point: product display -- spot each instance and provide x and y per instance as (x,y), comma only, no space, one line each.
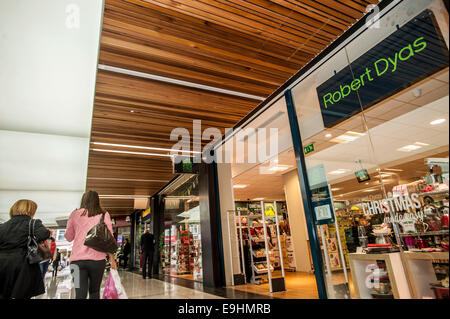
(253,237)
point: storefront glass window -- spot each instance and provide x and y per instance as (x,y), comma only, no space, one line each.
(377,115)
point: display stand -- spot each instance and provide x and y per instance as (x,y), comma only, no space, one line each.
(278,284)
(362,265)
(256,258)
(420,272)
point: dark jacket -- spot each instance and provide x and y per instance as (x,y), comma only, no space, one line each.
(126,249)
(147,242)
(19,279)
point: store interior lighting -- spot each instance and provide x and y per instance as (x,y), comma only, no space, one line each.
(339,171)
(144,147)
(347,137)
(438,121)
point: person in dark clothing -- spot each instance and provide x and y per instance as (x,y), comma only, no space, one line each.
(147,247)
(56,260)
(126,250)
(44,265)
(19,279)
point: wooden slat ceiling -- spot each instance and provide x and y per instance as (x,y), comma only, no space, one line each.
(250,47)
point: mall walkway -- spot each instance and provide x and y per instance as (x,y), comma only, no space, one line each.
(135,287)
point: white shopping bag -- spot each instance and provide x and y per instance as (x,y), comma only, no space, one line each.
(120,290)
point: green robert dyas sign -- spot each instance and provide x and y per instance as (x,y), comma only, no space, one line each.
(410,54)
(379,67)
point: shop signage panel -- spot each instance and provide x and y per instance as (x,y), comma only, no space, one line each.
(321,200)
(410,54)
(146,214)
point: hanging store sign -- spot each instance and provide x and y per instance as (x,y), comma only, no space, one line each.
(184,165)
(407,56)
(146,214)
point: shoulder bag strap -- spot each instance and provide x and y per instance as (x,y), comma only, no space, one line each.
(32,232)
(29,229)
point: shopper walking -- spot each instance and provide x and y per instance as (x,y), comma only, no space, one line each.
(126,250)
(18,278)
(56,261)
(147,247)
(44,265)
(87,264)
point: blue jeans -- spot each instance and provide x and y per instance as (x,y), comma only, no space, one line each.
(44,267)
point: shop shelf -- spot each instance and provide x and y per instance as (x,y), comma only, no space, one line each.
(434,193)
(428,233)
(262,271)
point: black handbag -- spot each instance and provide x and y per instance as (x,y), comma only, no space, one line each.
(100,238)
(36,252)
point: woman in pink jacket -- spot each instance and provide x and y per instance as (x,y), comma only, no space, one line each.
(87,264)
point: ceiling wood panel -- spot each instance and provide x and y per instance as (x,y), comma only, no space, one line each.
(246,46)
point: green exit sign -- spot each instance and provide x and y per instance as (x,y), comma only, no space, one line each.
(309,148)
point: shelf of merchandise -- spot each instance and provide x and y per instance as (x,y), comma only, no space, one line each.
(428,233)
(421,273)
(257,276)
(434,193)
(360,265)
(262,271)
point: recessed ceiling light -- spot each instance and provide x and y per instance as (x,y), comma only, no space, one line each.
(328,135)
(347,137)
(383,175)
(436,122)
(393,169)
(239,186)
(367,183)
(409,148)
(339,171)
(132,111)
(279,168)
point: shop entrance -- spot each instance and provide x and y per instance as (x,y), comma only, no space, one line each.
(180,243)
(252,190)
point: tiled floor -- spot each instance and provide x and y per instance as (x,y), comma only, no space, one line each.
(135,287)
(298,285)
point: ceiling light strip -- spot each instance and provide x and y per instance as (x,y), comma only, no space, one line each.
(144,147)
(124,196)
(178,82)
(128,179)
(134,153)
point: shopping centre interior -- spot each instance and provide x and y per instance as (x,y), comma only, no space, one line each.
(249,226)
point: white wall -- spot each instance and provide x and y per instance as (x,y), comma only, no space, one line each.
(231,256)
(297,221)
(48,61)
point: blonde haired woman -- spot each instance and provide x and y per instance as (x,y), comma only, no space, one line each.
(19,279)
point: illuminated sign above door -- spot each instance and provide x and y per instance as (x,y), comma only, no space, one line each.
(407,56)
